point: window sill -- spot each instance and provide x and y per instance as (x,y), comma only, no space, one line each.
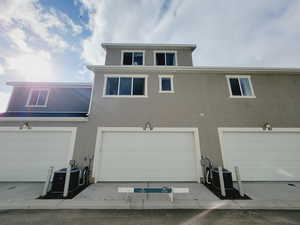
(242,96)
(165,65)
(36,106)
(124,96)
(166,92)
(132,65)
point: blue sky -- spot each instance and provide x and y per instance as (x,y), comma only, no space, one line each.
(53,40)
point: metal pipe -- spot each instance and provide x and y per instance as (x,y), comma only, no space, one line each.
(67,181)
(47,181)
(171,195)
(206,176)
(221,178)
(239,181)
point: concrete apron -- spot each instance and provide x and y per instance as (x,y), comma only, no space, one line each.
(105,196)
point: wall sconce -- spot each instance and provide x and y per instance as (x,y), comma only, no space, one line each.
(267,126)
(148,125)
(25,125)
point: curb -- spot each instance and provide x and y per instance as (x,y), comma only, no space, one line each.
(141,204)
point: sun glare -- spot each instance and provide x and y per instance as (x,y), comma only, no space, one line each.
(33,67)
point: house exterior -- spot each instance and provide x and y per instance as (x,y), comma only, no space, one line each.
(151,117)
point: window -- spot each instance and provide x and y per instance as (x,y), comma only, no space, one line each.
(132,58)
(240,86)
(38,97)
(167,58)
(125,86)
(166,84)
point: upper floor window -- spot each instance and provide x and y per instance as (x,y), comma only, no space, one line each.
(165,58)
(135,58)
(240,86)
(125,86)
(166,84)
(38,97)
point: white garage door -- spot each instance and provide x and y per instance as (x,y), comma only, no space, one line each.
(26,155)
(262,156)
(160,155)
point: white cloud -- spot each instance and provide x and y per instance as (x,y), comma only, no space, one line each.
(227,33)
(35,66)
(4,98)
(1,70)
(76,29)
(18,37)
(31,16)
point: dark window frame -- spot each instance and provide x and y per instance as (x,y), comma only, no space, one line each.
(239,92)
(123,52)
(171,77)
(135,91)
(165,57)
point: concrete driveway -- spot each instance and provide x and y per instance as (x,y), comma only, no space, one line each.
(265,195)
(109,192)
(19,191)
(282,191)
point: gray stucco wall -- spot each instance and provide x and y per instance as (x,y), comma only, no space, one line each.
(60,100)
(277,101)
(113,56)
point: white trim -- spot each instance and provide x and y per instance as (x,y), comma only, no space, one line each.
(126,75)
(91,97)
(71,119)
(39,129)
(195,70)
(148,45)
(97,153)
(198,154)
(165,51)
(72,148)
(30,95)
(145,76)
(50,84)
(132,51)
(37,111)
(259,129)
(100,130)
(9,100)
(160,83)
(238,77)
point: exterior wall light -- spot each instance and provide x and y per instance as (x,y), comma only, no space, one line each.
(148,126)
(267,126)
(25,125)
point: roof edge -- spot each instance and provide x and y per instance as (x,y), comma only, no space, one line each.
(149,45)
(52,119)
(48,84)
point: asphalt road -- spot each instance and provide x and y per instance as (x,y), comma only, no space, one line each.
(153,217)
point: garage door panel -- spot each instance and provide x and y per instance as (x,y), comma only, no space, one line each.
(153,156)
(269,174)
(27,155)
(265,156)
